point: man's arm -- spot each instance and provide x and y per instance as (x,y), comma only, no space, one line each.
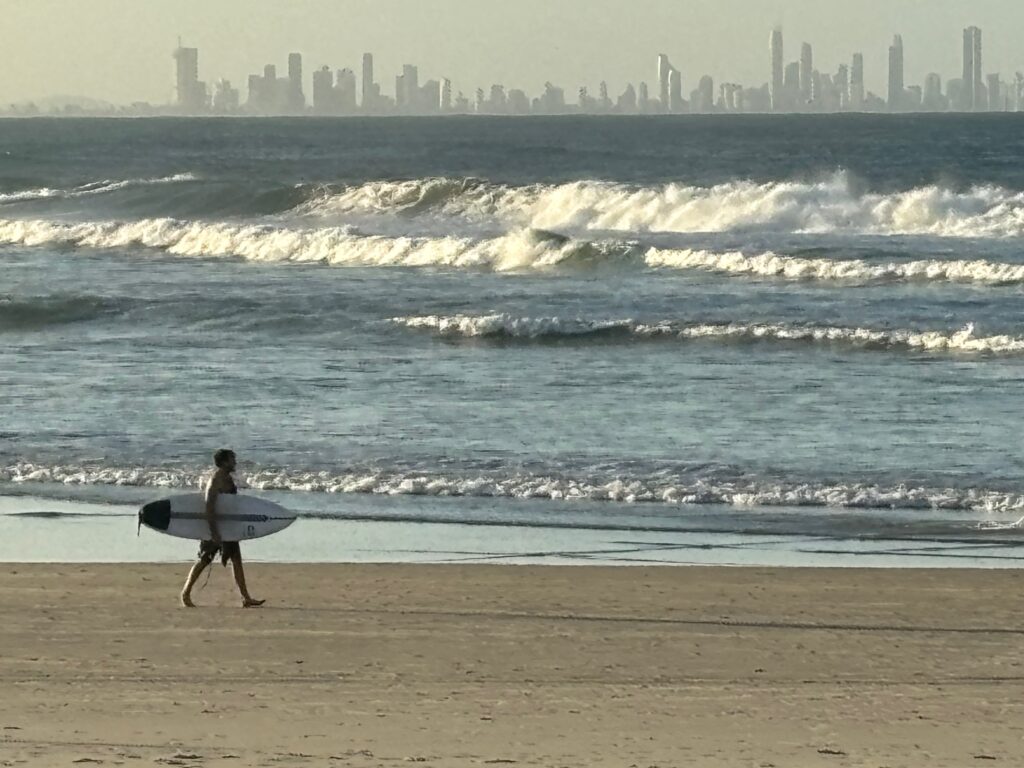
(212,491)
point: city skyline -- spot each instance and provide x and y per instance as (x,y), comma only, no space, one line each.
(106,49)
(796,86)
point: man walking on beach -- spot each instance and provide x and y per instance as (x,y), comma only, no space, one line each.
(220,482)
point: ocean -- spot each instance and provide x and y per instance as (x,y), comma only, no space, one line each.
(775,340)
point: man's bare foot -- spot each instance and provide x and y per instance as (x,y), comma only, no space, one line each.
(250,602)
(186,601)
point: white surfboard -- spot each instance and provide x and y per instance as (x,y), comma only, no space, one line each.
(239,518)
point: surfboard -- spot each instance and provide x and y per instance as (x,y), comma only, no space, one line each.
(239,518)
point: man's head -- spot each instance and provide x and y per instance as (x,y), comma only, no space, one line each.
(225,459)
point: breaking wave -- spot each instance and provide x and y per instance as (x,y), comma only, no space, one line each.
(526,249)
(650,489)
(92,188)
(832,205)
(504,326)
(847,270)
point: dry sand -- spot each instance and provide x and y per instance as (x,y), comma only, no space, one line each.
(518,666)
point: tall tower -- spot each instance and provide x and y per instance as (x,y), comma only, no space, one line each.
(973,88)
(296,99)
(675,91)
(857,82)
(806,72)
(775,51)
(664,70)
(842,86)
(896,74)
(979,87)
(369,91)
(323,91)
(446,95)
(411,86)
(188,93)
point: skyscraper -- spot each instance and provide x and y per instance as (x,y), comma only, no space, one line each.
(842,86)
(857,82)
(296,99)
(675,91)
(345,91)
(791,83)
(369,88)
(776,85)
(931,98)
(323,91)
(994,94)
(190,93)
(225,98)
(806,72)
(896,74)
(410,88)
(446,95)
(664,68)
(702,100)
(401,101)
(972,89)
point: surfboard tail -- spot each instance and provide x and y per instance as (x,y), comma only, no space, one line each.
(156,515)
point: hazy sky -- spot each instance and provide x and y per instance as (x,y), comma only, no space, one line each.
(120,50)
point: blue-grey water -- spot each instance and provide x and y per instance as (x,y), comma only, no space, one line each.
(800,327)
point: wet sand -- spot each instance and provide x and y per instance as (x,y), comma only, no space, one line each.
(373,665)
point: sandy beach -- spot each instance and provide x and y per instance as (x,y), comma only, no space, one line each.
(502,665)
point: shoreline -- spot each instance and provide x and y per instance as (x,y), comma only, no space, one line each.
(384,530)
(363,665)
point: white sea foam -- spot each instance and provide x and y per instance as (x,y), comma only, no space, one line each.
(851,270)
(519,250)
(964,341)
(529,486)
(93,188)
(525,249)
(832,205)
(504,325)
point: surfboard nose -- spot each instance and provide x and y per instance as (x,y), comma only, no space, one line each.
(156,515)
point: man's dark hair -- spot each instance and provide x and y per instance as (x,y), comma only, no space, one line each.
(220,458)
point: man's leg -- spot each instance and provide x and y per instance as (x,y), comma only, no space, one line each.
(248,601)
(193,576)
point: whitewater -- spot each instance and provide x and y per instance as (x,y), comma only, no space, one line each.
(519,250)
(503,326)
(831,205)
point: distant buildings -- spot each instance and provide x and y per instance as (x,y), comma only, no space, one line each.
(776,87)
(295,99)
(972,90)
(795,86)
(190,93)
(670,87)
(897,98)
(856,99)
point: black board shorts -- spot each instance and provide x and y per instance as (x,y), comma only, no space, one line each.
(208,550)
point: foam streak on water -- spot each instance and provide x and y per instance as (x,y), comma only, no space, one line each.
(531,328)
(92,188)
